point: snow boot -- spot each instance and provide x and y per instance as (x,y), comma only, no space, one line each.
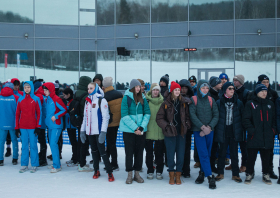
(236,179)
(212,182)
(278,182)
(129,178)
(8,152)
(219,177)
(111,177)
(1,162)
(15,162)
(249,178)
(272,174)
(96,175)
(266,179)
(138,178)
(159,176)
(200,178)
(171,178)
(178,178)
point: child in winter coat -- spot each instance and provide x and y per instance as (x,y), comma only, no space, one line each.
(55,110)
(204,116)
(8,106)
(28,123)
(94,127)
(173,118)
(259,122)
(154,135)
(135,115)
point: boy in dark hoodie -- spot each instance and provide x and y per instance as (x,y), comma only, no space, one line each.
(164,81)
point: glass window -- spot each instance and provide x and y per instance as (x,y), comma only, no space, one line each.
(252,62)
(133,11)
(20,64)
(87,4)
(105,12)
(254,9)
(62,12)
(87,18)
(278,70)
(16,11)
(88,64)
(106,64)
(211,10)
(57,65)
(173,62)
(135,66)
(212,58)
(169,10)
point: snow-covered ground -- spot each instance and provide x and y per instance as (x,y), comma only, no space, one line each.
(70,183)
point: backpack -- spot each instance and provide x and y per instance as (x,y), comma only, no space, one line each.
(110,114)
(209,98)
(76,118)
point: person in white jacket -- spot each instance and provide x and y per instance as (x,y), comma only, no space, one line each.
(95,124)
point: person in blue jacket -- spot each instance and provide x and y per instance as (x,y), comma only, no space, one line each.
(55,110)
(8,106)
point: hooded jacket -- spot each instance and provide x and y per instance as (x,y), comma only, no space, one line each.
(8,106)
(214,94)
(202,113)
(28,114)
(186,83)
(54,107)
(96,118)
(154,132)
(40,94)
(134,116)
(18,93)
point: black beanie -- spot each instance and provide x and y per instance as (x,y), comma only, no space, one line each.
(260,88)
(263,77)
(226,85)
(165,79)
(192,79)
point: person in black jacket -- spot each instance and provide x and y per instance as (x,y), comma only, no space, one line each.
(229,130)
(277,104)
(164,81)
(259,121)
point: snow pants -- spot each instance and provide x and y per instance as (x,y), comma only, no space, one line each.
(3,135)
(28,137)
(53,137)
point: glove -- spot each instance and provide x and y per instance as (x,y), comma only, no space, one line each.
(206,130)
(83,136)
(18,133)
(37,131)
(141,129)
(101,138)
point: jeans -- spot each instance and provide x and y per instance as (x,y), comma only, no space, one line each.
(3,135)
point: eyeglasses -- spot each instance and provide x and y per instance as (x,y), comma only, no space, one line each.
(231,88)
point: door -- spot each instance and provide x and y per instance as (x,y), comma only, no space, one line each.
(207,73)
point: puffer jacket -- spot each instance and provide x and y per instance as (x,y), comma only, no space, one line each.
(259,121)
(154,132)
(165,117)
(134,116)
(220,129)
(202,113)
(40,94)
(272,95)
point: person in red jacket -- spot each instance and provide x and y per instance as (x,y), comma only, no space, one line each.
(28,123)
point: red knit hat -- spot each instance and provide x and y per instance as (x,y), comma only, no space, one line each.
(174,85)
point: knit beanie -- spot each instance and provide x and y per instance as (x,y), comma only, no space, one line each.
(174,85)
(223,75)
(155,86)
(107,82)
(192,79)
(37,85)
(263,77)
(214,81)
(226,85)
(134,83)
(141,81)
(165,79)
(9,84)
(240,78)
(204,85)
(259,88)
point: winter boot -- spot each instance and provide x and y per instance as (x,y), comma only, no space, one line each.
(212,182)
(138,178)
(219,177)
(96,175)
(249,178)
(278,182)
(200,178)
(196,165)
(272,174)
(171,178)
(159,176)
(1,162)
(129,178)
(237,179)
(266,179)
(8,153)
(178,178)
(15,162)
(111,177)
(150,176)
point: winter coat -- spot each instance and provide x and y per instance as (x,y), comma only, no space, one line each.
(40,94)
(114,99)
(68,124)
(186,83)
(214,94)
(195,90)
(96,119)
(29,113)
(259,121)
(163,90)
(8,106)
(242,93)
(54,107)
(202,113)
(220,129)
(277,105)
(134,116)
(272,95)
(165,117)
(154,132)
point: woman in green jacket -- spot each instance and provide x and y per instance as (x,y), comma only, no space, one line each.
(154,134)
(135,116)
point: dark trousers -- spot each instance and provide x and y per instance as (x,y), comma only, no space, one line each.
(271,155)
(8,139)
(149,146)
(175,145)
(43,145)
(134,147)
(60,143)
(111,139)
(187,157)
(195,153)
(244,153)
(83,150)
(74,143)
(233,147)
(252,156)
(214,150)
(97,148)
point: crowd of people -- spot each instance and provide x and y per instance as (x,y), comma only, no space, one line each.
(220,114)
